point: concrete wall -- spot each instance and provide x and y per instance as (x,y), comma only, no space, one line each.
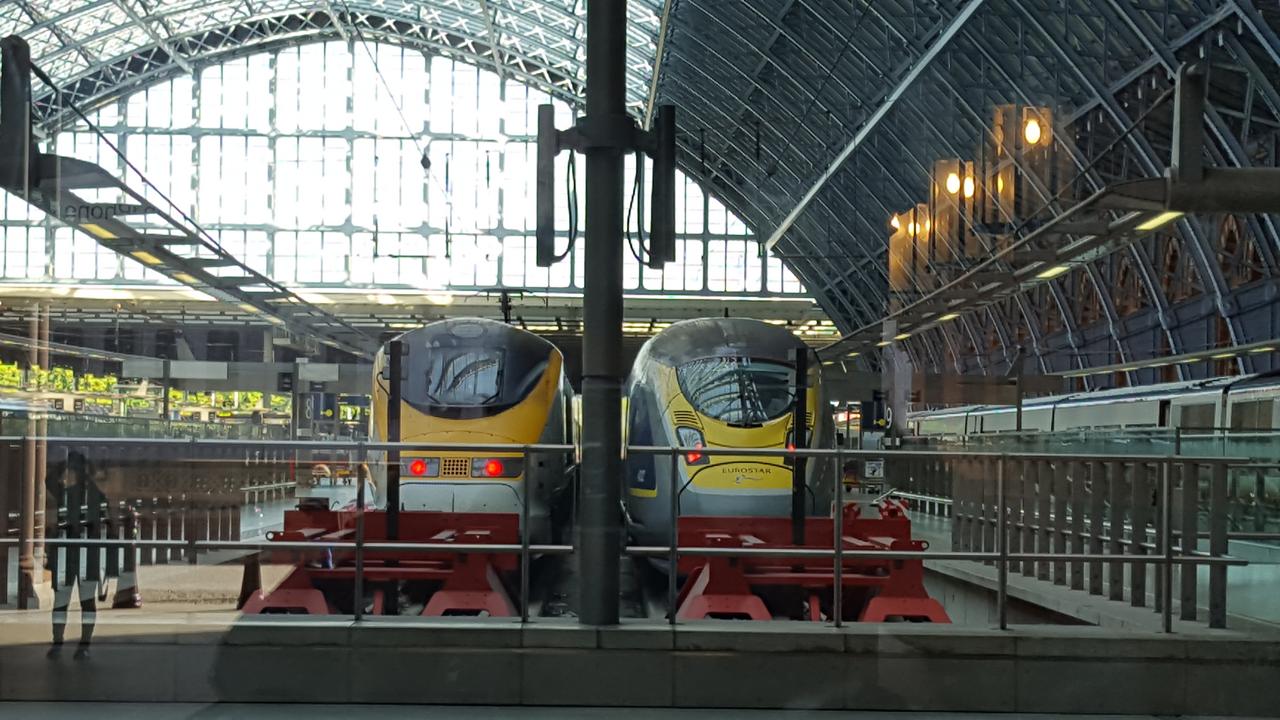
(973,605)
(792,665)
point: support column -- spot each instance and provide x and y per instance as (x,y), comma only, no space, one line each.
(42,444)
(27,576)
(600,527)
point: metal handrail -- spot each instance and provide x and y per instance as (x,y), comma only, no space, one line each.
(369,446)
(1165,557)
(656,551)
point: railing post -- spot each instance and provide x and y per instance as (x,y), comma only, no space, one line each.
(1029,521)
(525,532)
(1116,498)
(1189,538)
(988,506)
(1061,498)
(1002,546)
(357,591)
(673,557)
(837,590)
(1077,523)
(1097,510)
(1166,545)
(1141,514)
(1218,545)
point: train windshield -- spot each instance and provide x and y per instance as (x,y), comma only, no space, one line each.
(465,376)
(463,380)
(737,390)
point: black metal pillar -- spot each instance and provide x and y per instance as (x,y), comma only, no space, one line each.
(800,433)
(394,359)
(166,382)
(600,527)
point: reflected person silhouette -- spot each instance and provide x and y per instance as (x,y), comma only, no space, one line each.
(74,487)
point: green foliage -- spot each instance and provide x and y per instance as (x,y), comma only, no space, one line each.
(10,375)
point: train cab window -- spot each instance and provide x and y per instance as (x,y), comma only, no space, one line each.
(465,376)
(469,381)
(738,391)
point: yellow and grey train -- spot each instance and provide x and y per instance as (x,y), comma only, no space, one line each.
(720,383)
(474,381)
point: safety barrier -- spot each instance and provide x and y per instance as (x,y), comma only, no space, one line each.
(997,501)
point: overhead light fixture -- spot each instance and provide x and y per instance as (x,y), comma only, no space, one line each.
(884,343)
(1263,350)
(968,187)
(895,223)
(1053,272)
(249,308)
(1000,184)
(1032,131)
(186,278)
(1160,220)
(902,336)
(1187,361)
(953,183)
(385,299)
(1128,369)
(1223,356)
(146,257)
(853,354)
(949,317)
(440,298)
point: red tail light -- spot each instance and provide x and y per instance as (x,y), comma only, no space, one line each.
(493,468)
(791,447)
(418,467)
(694,457)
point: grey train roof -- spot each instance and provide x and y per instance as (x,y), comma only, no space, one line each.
(690,340)
(842,106)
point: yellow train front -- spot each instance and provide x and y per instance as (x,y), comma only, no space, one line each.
(720,383)
(474,381)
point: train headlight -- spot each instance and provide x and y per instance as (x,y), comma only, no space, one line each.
(496,467)
(420,467)
(692,438)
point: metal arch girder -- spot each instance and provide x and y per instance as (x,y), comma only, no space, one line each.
(797,125)
(808,276)
(1077,160)
(162,71)
(1146,155)
(659,53)
(954,26)
(1266,35)
(163,42)
(949,145)
(811,243)
(1150,285)
(1271,96)
(757,167)
(1227,141)
(310,25)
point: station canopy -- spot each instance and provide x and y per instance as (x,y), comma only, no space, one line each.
(818,121)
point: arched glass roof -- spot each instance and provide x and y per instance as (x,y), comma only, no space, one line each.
(816,120)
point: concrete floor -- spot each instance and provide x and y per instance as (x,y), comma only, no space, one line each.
(156,711)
